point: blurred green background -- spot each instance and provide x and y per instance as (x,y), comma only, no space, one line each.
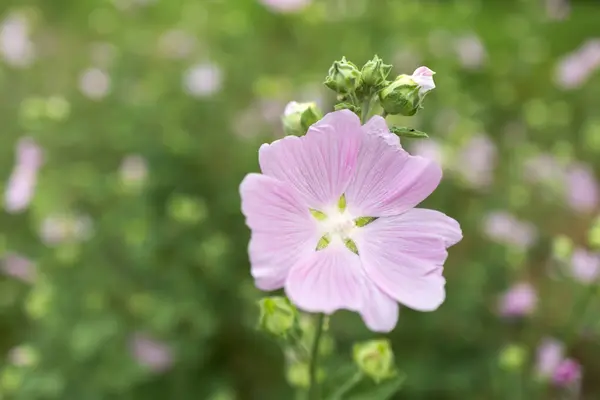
(132,122)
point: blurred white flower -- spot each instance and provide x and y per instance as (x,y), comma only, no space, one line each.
(430,149)
(150,353)
(15,44)
(176,44)
(203,80)
(94,83)
(19,267)
(60,228)
(22,182)
(133,170)
(286,6)
(470,51)
(505,228)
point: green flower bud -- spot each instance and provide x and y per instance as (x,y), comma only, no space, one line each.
(406,93)
(344,77)
(298,117)
(375,358)
(375,72)
(562,247)
(298,375)
(512,357)
(277,315)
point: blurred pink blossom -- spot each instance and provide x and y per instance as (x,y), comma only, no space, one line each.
(19,267)
(94,83)
(430,149)
(286,6)
(581,188)
(476,161)
(505,228)
(575,68)
(585,266)
(203,80)
(150,353)
(15,45)
(470,51)
(176,44)
(22,182)
(543,168)
(133,169)
(519,300)
(550,354)
(567,373)
(60,228)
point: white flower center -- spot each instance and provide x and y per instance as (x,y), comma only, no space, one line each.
(338,225)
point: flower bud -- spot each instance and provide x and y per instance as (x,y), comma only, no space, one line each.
(375,358)
(298,117)
(277,315)
(375,72)
(406,93)
(344,77)
(562,247)
(512,357)
(567,373)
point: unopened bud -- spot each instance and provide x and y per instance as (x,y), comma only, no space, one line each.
(512,357)
(277,315)
(375,72)
(562,247)
(375,359)
(344,77)
(406,93)
(298,117)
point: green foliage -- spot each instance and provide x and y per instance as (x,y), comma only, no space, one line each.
(165,255)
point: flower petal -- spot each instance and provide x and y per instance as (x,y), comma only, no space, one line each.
(434,223)
(282,228)
(388,180)
(405,261)
(379,311)
(320,164)
(327,280)
(377,126)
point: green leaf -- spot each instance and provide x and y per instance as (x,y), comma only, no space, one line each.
(403,131)
(383,391)
(347,106)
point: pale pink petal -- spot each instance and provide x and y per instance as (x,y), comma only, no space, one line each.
(433,223)
(379,311)
(320,164)
(388,180)
(327,280)
(378,127)
(283,229)
(405,261)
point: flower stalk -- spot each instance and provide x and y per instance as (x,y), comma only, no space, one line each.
(313,386)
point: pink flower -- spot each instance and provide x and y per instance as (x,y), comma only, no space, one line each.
(15,44)
(549,356)
(333,222)
(519,300)
(567,373)
(585,266)
(151,353)
(23,180)
(60,228)
(423,77)
(476,161)
(19,267)
(203,80)
(286,6)
(471,52)
(94,83)
(429,149)
(505,228)
(582,188)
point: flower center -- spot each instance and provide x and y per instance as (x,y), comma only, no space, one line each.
(337,225)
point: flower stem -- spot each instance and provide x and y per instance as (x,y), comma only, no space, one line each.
(578,314)
(384,113)
(313,388)
(347,386)
(366,108)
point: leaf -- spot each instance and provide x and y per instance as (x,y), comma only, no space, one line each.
(383,391)
(347,106)
(403,131)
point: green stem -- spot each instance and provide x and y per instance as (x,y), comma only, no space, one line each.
(313,388)
(347,386)
(578,314)
(384,114)
(366,108)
